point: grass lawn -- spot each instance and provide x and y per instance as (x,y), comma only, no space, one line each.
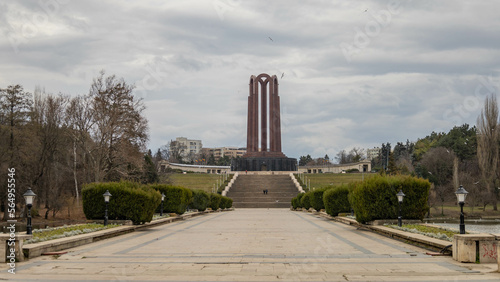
(453,211)
(435,232)
(324,179)
(206,181)
(203,181)
(41,235)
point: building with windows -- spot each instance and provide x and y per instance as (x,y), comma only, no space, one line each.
(186,147)
(230,152)
(372,153)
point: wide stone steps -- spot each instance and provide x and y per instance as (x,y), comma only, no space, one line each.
(261,199)
(246,191)
(254,205)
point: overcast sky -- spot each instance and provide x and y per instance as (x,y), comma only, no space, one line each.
(356,73)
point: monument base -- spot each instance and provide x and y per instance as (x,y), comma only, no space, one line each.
(264,164)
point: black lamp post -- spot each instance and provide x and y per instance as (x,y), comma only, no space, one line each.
(106,195)
(29,196)
(461,195)
(161,207)
(400,196)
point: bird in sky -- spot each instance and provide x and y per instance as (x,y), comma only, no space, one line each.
(270,38)
(366,10)
(282,75)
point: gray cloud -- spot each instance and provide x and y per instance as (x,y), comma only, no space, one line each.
(416,71)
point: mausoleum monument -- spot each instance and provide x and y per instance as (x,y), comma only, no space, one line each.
(264,129)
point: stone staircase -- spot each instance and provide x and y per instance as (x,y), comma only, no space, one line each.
(246,191)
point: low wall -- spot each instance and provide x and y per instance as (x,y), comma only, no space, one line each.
(213,169)
(475,248)
(229,185)
(297,184)
(363,166)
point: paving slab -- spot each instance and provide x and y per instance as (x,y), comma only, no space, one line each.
(249,245)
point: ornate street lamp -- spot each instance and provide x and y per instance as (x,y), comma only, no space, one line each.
(461,195)
(400,196)
(29,196)
(161,207)
(106,195)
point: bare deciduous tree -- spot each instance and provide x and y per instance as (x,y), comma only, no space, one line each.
(79,121)
(50,171)
(120,131)
(15,107)
(355,155)
(487,146)
(437,166)
(175,152)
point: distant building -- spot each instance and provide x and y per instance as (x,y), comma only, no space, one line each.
(372,153)
(186,147)
(231,152)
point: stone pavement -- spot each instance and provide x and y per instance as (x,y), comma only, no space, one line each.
(250,245)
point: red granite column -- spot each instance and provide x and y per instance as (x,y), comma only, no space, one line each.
(275,116)
(250,117)
(278,123)
(249,124)
(255,116)
(272,108)
(263,116)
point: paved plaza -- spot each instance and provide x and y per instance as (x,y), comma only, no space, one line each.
(250,245)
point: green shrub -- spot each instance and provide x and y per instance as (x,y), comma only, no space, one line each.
(222,203)
(225,202)
(305,201)
(215,200)
(375,198)
(295,202)
(176,198)
(200,200)
(129,200)
(188,197)
(336,200)
(317,198)
(299,200)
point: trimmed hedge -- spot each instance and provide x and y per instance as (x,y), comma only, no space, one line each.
(225,202)
(229,203)
(177,198)
(188,197)
(129,200)
(336,199)
(200,201)
(375,198)
(305,201)
(317,198)
(215,200)
(296,201)
(299,200)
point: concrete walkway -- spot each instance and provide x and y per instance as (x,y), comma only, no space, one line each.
(250,245)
